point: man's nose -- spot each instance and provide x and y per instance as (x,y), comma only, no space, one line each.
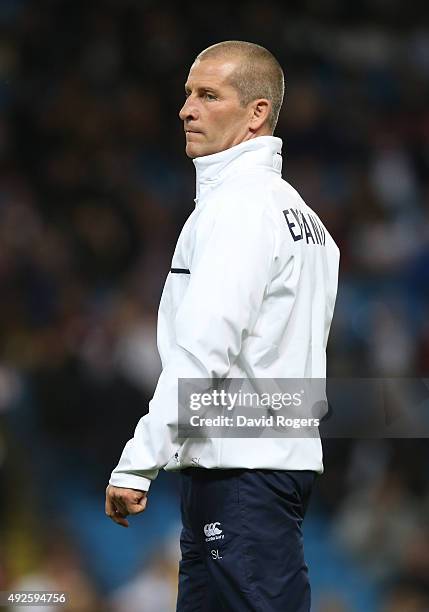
(188,110)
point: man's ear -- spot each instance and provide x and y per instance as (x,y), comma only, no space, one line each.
(261,110)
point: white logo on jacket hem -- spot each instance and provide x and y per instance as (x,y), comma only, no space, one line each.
(212,532)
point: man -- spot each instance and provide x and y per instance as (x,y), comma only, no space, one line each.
(250,295)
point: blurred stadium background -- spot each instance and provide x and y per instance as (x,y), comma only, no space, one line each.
(94,189)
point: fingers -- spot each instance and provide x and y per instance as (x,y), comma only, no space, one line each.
(121,502)
(114,513)
(120,519)
(135,507)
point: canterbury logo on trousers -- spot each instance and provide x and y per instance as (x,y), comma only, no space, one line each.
(251,558)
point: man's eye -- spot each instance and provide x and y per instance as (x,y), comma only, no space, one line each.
(210,96)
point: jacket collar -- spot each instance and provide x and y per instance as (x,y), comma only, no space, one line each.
(260,152)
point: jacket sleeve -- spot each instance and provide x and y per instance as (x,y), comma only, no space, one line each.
(230,270)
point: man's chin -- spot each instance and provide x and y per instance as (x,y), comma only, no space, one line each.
(192,151)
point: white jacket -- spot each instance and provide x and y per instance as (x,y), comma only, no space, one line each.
(251,294)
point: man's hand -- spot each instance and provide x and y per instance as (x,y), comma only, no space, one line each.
(121,502)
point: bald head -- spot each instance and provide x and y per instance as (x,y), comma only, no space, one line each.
(257,74)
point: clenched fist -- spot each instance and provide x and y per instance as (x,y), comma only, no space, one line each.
(121,502)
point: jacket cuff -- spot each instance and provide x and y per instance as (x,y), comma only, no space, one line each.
(130,481)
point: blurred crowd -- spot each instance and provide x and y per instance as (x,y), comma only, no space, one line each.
(94,190)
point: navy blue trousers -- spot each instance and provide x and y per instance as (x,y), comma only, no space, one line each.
(241,542)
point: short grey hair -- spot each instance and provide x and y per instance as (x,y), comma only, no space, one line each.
(258,74)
